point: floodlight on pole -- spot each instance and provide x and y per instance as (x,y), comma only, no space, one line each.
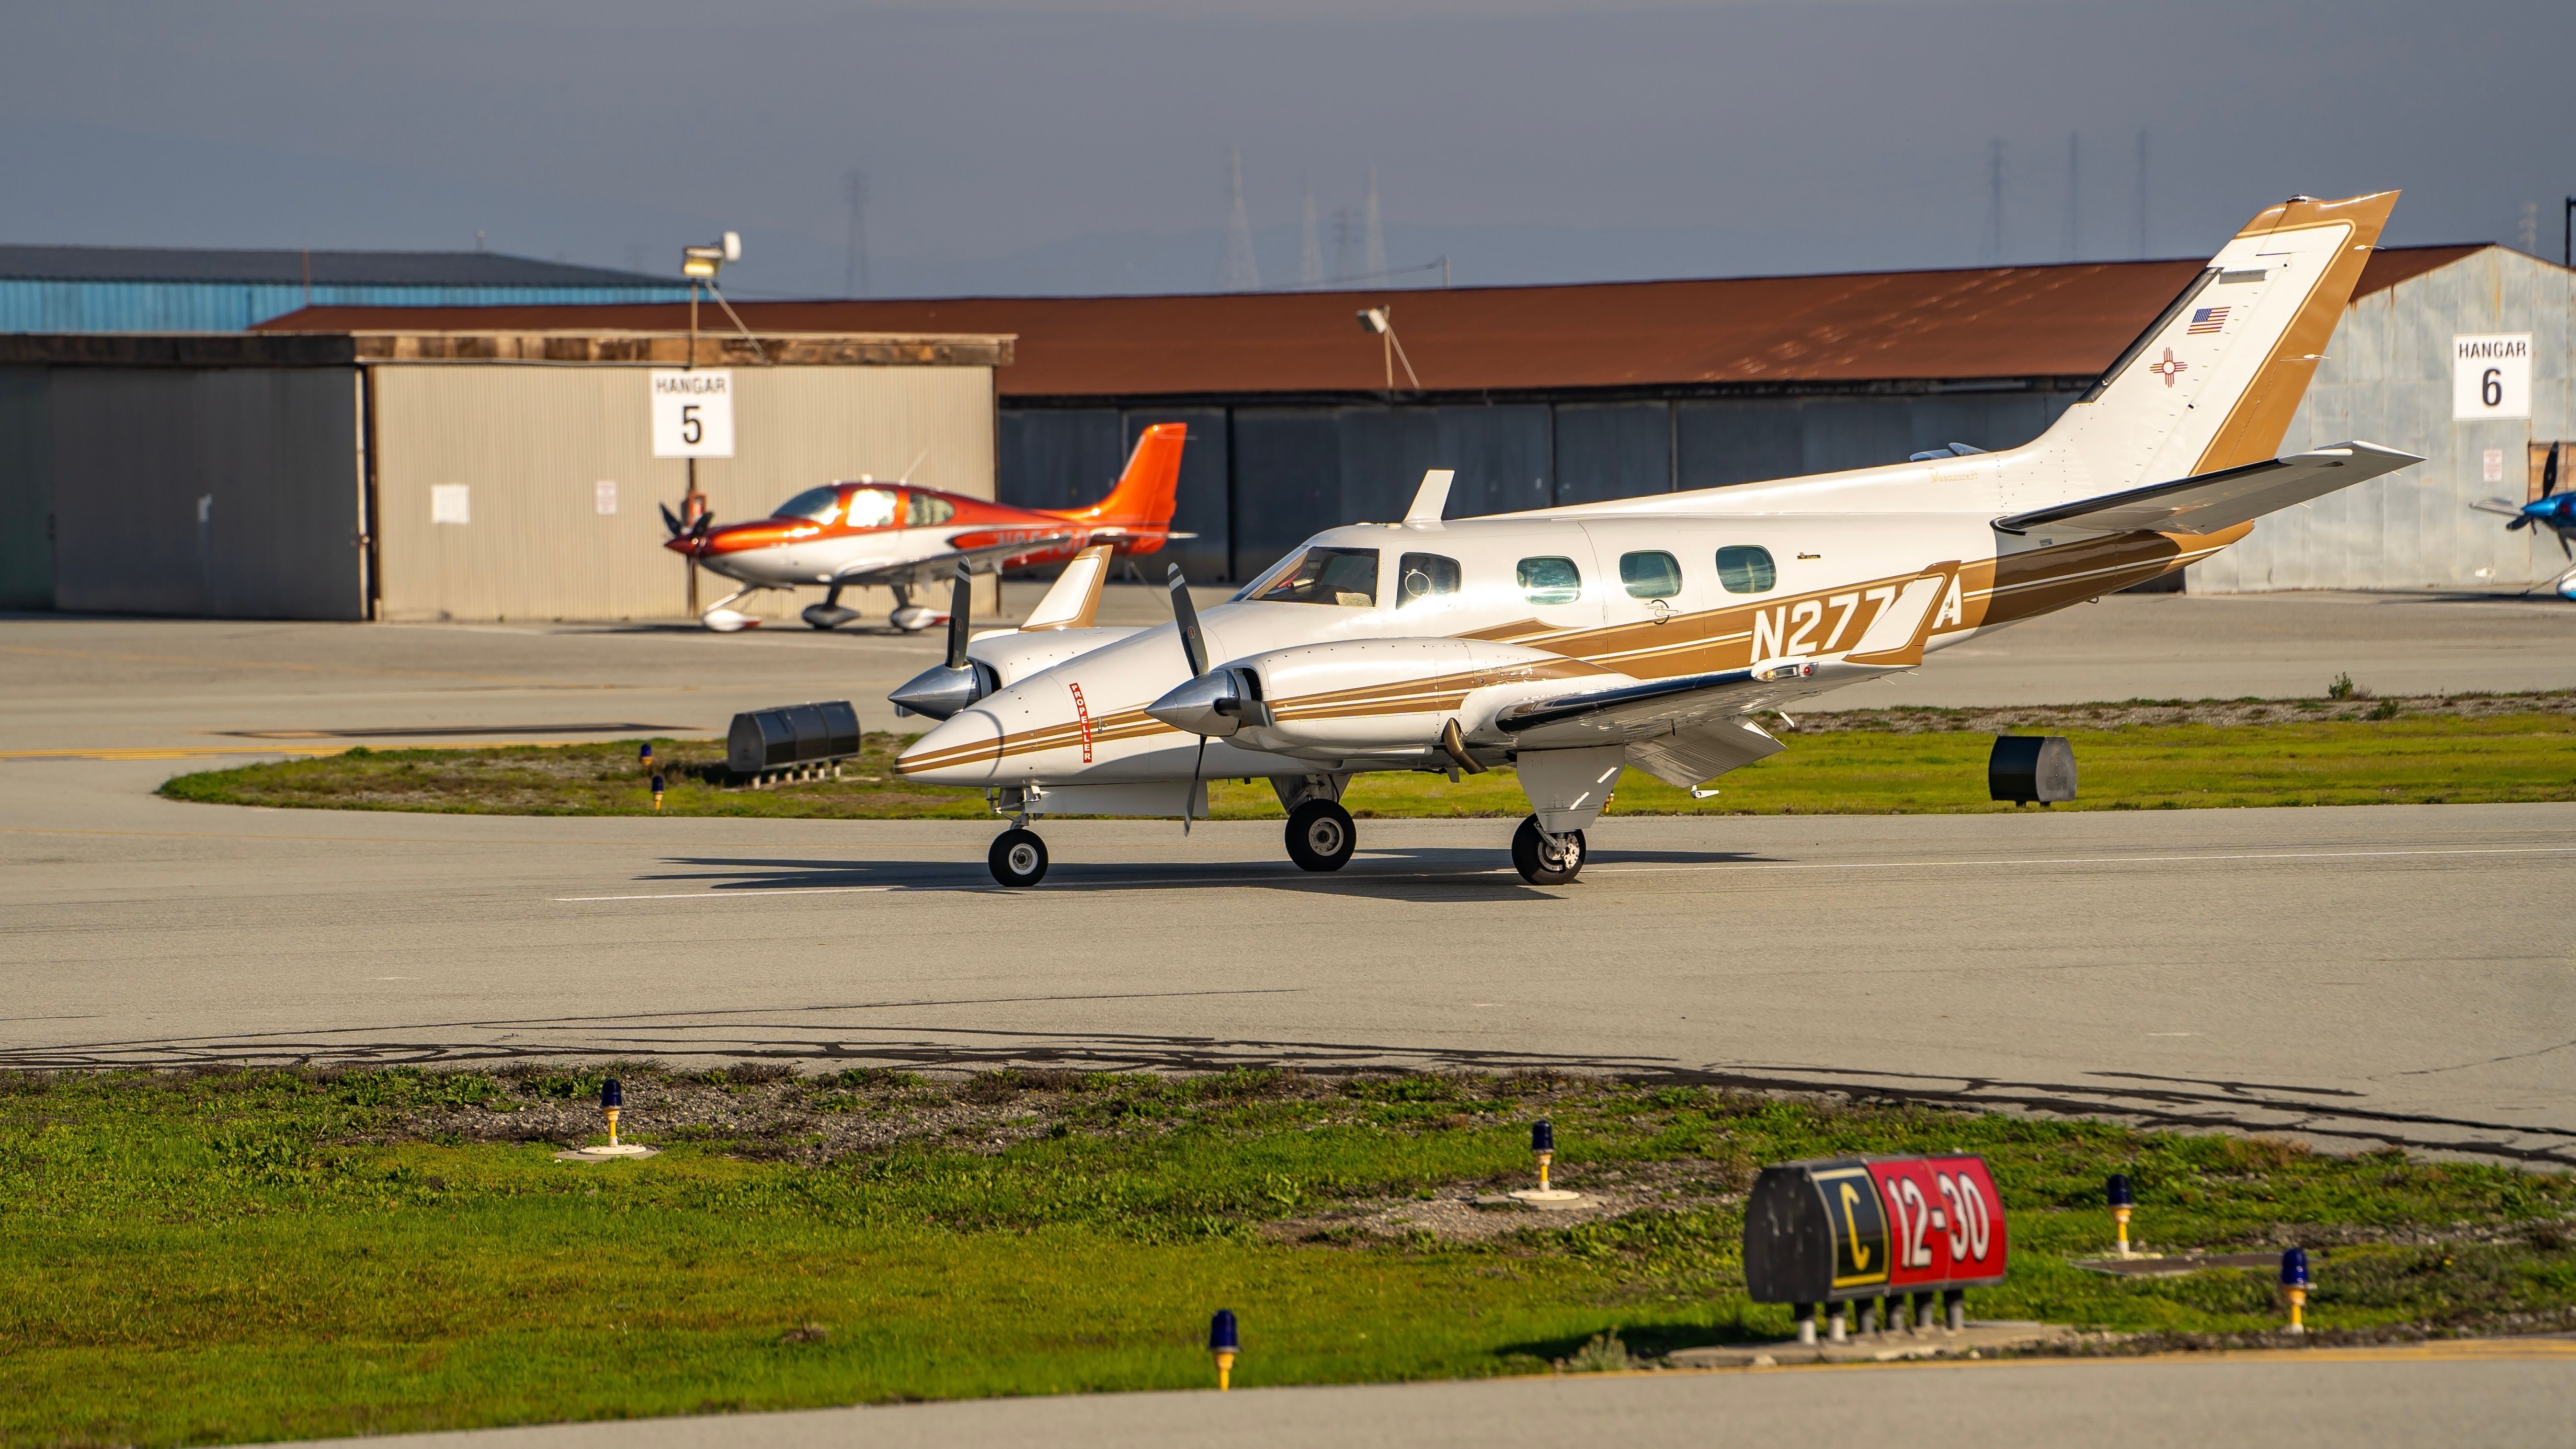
(1380,321)
(700,265)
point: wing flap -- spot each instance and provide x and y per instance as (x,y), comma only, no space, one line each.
(2212,502)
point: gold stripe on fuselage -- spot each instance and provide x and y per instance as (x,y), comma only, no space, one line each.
(1992,592)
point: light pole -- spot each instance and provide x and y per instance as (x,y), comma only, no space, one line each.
(700,264)
(1381,320)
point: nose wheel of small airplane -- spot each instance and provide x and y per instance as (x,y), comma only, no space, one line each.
(1018,857)
(1546,860)
(1320,836)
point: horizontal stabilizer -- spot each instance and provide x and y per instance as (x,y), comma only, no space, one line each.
(2213,502)
(1075,600)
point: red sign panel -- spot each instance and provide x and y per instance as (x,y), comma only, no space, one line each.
(1945,1221)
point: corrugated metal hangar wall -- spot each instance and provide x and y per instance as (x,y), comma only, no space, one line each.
(295,476)
(543,451)
(1258,480)
(2387,378)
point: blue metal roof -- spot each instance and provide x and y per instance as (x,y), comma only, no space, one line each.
(156,289)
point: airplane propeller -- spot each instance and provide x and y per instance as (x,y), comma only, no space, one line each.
(961,597)
(670,520)
(1185,615)
(958,681)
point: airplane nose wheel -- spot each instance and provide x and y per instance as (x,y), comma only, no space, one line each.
(1320,836)
(1542,861)
(1018,858)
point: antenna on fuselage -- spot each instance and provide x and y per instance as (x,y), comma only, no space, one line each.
(916,462)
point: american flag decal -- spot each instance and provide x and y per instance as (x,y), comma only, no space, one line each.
(2207,319)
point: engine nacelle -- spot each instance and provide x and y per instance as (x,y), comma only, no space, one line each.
(1369,697)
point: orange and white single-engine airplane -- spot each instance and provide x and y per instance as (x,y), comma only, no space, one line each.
(900,535)
(1658,632)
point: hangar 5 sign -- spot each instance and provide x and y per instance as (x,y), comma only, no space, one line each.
(693,414)
(2491,376)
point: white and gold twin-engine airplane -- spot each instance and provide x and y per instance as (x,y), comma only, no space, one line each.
(1657,632)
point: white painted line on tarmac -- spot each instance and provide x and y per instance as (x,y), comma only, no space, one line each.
(2258,855)
(756,893)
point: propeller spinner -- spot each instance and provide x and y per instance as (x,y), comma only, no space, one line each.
(944,689)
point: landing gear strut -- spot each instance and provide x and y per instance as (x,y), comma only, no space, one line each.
(1543,859)
(1018,857)
(1320,836)
(829,614)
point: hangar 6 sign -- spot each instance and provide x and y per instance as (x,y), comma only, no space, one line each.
(2491,377)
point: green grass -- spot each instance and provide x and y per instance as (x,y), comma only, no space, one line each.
(279,1254)
(2137,757)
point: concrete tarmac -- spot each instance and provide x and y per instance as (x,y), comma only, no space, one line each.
(2359,977)
(2437,1396)
(2387,974)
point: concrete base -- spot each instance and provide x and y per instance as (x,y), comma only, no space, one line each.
(2156,1265)
(1554,1199)
(1979,1337)
(618,1153)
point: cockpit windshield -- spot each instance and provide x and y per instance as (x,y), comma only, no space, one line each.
(1343,576)
(817,504)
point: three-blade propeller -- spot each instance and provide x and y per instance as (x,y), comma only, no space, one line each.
(695,529)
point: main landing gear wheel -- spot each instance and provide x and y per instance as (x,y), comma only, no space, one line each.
(1320,836)
(1018,858)
(1541,863)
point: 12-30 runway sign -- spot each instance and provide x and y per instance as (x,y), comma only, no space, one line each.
(693,414)
(1857,1227)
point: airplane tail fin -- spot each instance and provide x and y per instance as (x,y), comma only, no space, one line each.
(2212,383)
(1146,493)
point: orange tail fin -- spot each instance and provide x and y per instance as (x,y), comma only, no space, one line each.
(1145,493)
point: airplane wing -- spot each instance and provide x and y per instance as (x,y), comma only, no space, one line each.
(921,572)
(2214,501)
(1657,707)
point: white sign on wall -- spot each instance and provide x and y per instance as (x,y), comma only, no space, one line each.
(604,495)
(2491,376)
(693,414)
(451,503)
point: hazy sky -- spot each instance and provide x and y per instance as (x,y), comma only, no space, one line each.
(1078,146)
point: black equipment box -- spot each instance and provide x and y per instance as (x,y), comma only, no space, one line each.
(2025,768)
(761,740)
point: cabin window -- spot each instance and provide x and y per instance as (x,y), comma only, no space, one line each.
(1746,569)
(1650,574)
(926,510)
(1343,576)
(871,508)
(815,505)
(1550,580)
(1423,576)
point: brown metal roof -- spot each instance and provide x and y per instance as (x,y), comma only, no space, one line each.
(2067,320)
